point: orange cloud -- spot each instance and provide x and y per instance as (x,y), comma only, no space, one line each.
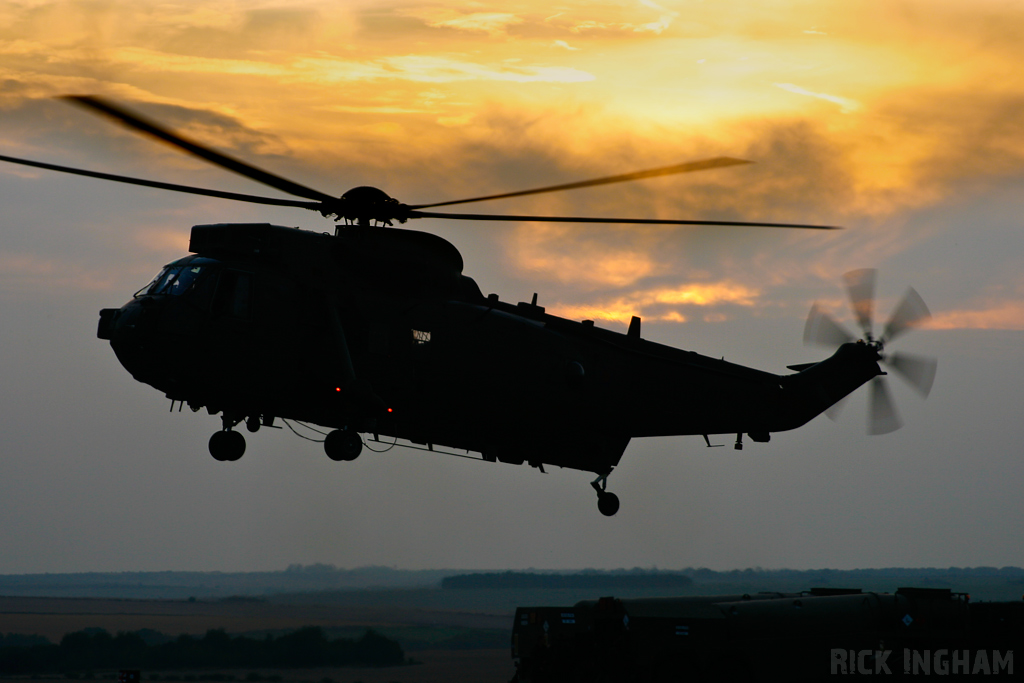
(440,100)
(163,240)
(20,272)
(704,295)
(1006,315)
(663,304)
(619,310)
(610,269)
(492,23)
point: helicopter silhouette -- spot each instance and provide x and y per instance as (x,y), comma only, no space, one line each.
(375,330)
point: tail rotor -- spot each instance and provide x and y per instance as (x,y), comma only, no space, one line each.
(918,371)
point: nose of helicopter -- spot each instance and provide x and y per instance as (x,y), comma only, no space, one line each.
(129,323)
(131,331)
(105,328)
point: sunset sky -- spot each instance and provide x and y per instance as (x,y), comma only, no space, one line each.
(900,121)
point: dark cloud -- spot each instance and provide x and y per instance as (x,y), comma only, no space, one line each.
(262,30)
(389,24)
(215,129)
(275,23)
(83,138)
(974,136)
(12,86)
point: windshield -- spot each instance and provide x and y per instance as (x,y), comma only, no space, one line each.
(186,276)
(173,280)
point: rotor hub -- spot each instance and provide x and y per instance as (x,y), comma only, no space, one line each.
(366,206)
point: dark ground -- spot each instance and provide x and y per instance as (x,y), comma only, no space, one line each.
(452,645)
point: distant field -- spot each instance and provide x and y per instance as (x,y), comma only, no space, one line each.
(423,617)
(437,666)
(54,617)
(459,635)
(382,586)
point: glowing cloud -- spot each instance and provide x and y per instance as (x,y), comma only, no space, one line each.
(847,105)
(704,295)
(35,272)
(663,22)
(1006,315)
(619,311)
(483,22)
(610,269)
(526,93)
(443,69)
(661,304)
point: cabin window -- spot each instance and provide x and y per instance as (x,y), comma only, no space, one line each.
(234,295)
(420,337)
(200,294)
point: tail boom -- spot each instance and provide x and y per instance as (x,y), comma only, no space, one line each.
(814,389)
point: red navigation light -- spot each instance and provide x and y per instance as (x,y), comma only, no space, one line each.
(389,410)
(337,388)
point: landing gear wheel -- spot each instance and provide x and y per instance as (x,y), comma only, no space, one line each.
(608,503)
(343,444)
(217,446)
(253,423)
(227,446)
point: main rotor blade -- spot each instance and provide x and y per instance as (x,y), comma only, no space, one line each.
(584,219)
(911,312)
(165,186)
(822,329)
(919,371)
(224,161)
(689,167)
(883,417)
(860,285)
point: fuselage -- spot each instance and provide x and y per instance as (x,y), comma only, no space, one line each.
(272,321)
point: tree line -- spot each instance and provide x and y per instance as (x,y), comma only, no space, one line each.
(588,580)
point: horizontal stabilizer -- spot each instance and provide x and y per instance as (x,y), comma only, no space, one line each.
(801,367)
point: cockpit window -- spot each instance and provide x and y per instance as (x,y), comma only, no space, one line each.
(186,277)
(173,280)
(158,282)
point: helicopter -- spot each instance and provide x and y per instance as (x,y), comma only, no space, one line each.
(374,331)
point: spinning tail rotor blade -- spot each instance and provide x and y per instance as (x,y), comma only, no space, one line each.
(918,371)
(822,329)
(883,417)
(911,312)
(860,285)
